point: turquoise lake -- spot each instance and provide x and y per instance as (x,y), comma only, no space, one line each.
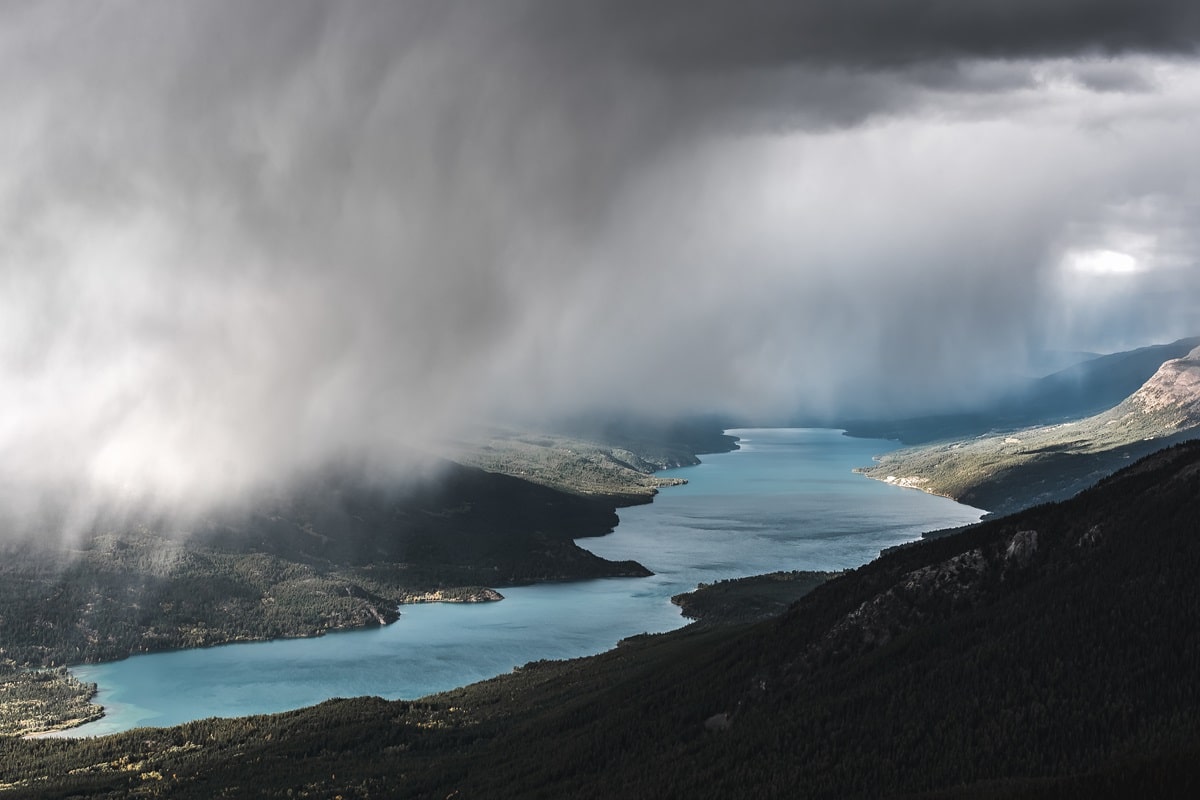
(788,499)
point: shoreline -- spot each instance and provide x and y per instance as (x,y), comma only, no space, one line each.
(43,702)
(126,688)
(912,482)
(467,594)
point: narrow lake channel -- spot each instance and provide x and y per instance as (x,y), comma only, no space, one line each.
(788,499)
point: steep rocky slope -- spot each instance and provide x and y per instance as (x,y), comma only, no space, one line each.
(1172,395)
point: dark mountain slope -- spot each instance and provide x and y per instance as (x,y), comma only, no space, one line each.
(1100,383)
(1050,653)
(339,552)
(459,519)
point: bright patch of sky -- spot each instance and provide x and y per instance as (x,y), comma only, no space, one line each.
(1101,262)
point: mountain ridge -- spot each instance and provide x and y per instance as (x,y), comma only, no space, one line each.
(1074,392)
(1009,470)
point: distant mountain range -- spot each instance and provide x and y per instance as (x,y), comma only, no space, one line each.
(1011,469)
(1099,383)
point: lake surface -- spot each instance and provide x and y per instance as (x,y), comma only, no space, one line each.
(788,499)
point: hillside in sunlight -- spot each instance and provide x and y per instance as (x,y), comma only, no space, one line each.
(1092,385)
(1007,470)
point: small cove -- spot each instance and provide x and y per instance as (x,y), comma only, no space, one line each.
(788,499)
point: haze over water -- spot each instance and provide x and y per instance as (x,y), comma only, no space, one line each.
(787,500)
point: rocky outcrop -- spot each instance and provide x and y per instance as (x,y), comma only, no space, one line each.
(456,594)
(1174,390)
(1021,547)
(931,592)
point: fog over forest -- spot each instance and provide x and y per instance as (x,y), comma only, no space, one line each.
(243,239)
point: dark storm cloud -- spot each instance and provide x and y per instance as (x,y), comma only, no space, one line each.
(1108,77)
(244,238)
(720,35)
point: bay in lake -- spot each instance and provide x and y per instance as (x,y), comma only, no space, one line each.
(788,499)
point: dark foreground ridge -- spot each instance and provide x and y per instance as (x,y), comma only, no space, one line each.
(1052,653)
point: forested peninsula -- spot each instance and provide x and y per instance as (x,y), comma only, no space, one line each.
(340,551)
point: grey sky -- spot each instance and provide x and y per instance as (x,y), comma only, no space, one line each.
(245,237)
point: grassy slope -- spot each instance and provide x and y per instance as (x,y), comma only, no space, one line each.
(999,662)
(608,458)
(567,464)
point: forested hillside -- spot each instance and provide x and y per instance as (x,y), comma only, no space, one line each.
(336,553)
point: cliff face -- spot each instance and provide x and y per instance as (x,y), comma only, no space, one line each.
(1173,391)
